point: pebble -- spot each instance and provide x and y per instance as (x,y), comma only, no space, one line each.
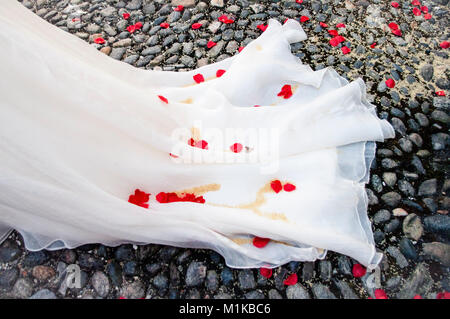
(134,290)
(195,274)
(438,224)
(44,294)
(321,291)
(346,291)
(419,283)
(227,276)
(34,258)
(212,282)
(428,187)
(381,216)
(391,198)
(8,278)
(100,283)
(296,292)
(23,288)
(246,279)
(412,227)
(427,72)
(8,254)
(43,273)
(401,261)
(438,251)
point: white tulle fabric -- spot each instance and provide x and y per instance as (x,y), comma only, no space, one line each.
(80,131)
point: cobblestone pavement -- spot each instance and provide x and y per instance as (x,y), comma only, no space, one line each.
(409,180)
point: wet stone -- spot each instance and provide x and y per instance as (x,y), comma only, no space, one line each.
(381,216)
(438,251)
(392,226)
(44,294)
(398,256)
(35,258)
(391,198)
(438,224)
(428,187)
(8,254)
(100,283)
(297,292)
(114,271)
(345,290)
(8,278)
(308,271)
(325,269)
(321,291)
(227,276)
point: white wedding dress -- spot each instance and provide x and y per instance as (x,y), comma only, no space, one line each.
(80,132)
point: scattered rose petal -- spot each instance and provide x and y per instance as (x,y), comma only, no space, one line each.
(345,50)
(240,49)
(288,187)
(260,242)
(417,297)
(276,186)
(162,98)
(261,27)
(286,91)
(333,32)
(99,40)
(424,9)
(440,93)
(340,25)
(173,155)
(139,198)
(220,72)
(179,8)
(445,44)
(415,3)
(393,26)
(265,272)
(304,18)
(164,25)
(336,40)
(165,198)
(390,83)
(291,280)
(75,19)
(285,20)
(373,45)
(131,28)
(126,15)
(417,11)
(299,1)
(256,105)
(427,16)
(394,4)
(211,44)
(397,32)
(380,294)
(358,270)
(223,18)
(443,295)
(198,78)
(138,25)
(122,297)
(202,144)
(196,26)
(236,147)
(323,25)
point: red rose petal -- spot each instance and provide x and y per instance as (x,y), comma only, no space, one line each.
(139,198)
(390,83)
(443,295)
(415,3)
(334,42)
(276,186)
(223,18)
(162,197)
(397,32)
(228,21)
(262,27)
(299,1)
(424,9)
(445,45)
(173,155)
(99,40)
(417,11)
(164,25)
(345,50)
(304,18)
(260,242)
(417,297)
(220,72)
(191,142)
(394,4)
(340,25)
(393,26)
(323,25)
(179,8)
(211,44)
(131,28)
(198,78)
(138,25)
(358,270)
(202,144)
(240,49)
(373,45)
(380,294)
(196,26)
(285,20)
(291,280)
(333,32)
(256,105)
(427,16)
(440,93)
(265,272)
(125,15)
(286,91)
(288,187)
(162,98)
(236,147)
